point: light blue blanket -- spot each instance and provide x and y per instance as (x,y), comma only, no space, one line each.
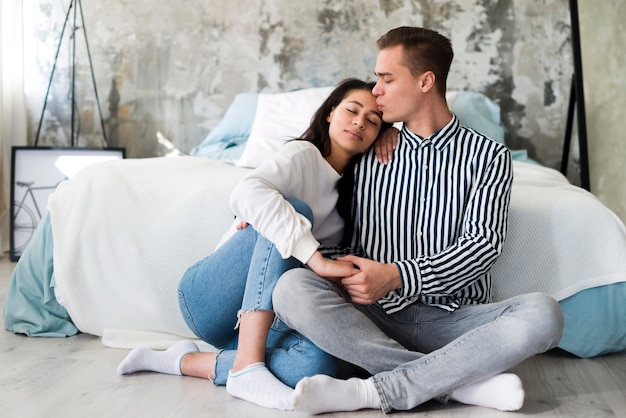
(31,307)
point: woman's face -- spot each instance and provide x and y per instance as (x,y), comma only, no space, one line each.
(354,123)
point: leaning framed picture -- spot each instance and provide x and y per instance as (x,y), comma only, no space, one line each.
(35,174)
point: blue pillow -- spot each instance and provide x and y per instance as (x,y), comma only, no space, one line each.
(227,139)
(477,111)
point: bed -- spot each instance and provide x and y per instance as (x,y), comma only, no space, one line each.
(107,258)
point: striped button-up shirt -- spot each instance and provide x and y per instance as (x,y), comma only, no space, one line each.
(438,210)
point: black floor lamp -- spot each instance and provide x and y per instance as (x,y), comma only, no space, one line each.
(75,6)
(576,105)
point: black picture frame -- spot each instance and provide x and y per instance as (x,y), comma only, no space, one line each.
(35,174)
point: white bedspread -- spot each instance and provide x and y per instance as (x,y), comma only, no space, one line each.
(561,239)
(125,232)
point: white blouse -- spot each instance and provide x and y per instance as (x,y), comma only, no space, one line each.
(297,171)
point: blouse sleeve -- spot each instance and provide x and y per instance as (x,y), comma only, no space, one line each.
(260,200)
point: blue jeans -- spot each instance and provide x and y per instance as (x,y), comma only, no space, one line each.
(421,352)
(241,275)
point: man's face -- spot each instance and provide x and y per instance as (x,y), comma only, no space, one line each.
(396,90)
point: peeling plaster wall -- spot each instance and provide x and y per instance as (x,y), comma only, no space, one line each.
(604,59)
(175,67)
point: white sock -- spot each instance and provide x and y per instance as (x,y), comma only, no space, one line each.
(320,394)
(503,391)
(168,361)
(258,385)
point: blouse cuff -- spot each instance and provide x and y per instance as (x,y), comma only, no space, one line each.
(305,248)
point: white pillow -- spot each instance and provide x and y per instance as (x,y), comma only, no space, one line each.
(280,117)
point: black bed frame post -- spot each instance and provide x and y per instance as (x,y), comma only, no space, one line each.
(576,102)
(77,5)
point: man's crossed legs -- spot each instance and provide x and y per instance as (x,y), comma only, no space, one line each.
(419,353)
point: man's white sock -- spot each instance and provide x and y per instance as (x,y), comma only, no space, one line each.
(503,391)
(320,394)
(168,361)
(258,385)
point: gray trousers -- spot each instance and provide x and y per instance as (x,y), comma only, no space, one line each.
(422,352)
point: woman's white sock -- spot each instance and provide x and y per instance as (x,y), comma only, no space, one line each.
(258,385)
(168,361)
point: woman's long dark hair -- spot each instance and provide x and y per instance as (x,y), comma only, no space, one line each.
(317,134)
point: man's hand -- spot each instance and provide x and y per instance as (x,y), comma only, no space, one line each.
(385,144)
(373,280)
(332,270)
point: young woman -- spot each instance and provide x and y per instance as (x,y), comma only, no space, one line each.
(286,209)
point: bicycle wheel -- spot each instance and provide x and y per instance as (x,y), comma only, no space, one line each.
(24,224)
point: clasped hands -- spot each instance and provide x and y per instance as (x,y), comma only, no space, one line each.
(365,280)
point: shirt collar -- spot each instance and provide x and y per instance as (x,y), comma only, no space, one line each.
(439,139)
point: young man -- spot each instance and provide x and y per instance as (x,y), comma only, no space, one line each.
(430,224)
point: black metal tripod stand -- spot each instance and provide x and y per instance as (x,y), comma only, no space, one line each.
(577,104)
(75,5)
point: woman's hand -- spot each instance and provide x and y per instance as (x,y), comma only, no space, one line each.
(242,225)
(385,144)
(332,270)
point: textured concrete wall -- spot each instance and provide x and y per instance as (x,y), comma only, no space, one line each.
(603,40)
(174,67)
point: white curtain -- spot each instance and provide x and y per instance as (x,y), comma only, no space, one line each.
(12,102)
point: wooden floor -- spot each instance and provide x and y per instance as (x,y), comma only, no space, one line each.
(75,377)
